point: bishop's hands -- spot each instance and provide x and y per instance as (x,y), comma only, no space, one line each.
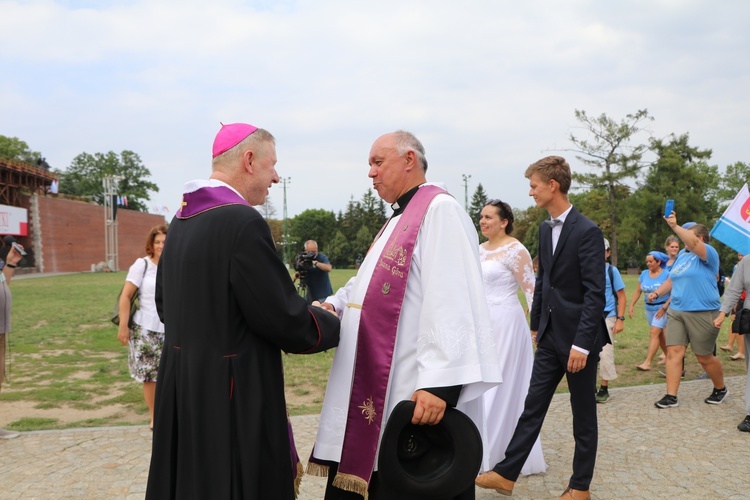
(325,306)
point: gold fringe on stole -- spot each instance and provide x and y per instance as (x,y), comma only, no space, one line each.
(317,470)
(350,482)
(298,479)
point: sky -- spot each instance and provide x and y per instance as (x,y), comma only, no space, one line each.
(488,86)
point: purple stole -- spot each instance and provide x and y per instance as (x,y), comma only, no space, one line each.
(376,339)
(208,198)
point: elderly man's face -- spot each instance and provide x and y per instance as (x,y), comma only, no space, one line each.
(264,173)
(387,169)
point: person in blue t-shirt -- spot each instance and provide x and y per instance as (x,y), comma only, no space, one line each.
(656,312)
(318,280)
(614,314)
(694,306)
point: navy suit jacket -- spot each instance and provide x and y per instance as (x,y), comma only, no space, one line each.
(569,293)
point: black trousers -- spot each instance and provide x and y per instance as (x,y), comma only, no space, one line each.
(550,364)
(379,491)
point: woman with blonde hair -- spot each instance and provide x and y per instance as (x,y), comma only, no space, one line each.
(145,336)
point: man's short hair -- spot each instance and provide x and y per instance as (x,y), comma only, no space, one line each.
(552,168)
(405,142)
(258,141)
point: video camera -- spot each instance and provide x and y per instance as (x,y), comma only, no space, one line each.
(303,262)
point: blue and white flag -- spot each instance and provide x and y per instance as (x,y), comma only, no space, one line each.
(733,227)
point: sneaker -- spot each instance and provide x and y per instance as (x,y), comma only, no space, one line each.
(8,434)
(701,376)
(668,401)
(664,373)
(745,425)
(602,396)
(717,396)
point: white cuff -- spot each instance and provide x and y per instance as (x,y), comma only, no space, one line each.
(580,350)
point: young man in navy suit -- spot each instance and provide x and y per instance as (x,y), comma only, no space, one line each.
(568,326)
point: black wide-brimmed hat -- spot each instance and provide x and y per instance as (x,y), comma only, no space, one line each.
(441,460)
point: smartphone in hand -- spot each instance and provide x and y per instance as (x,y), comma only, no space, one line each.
(668,208)
(18,248)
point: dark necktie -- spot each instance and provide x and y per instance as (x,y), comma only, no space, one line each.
(553,222)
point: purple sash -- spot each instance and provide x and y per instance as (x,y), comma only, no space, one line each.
(378,324)
(207,198)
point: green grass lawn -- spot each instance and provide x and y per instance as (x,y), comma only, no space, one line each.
(64,353)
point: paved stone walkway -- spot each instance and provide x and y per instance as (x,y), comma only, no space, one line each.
(691,452)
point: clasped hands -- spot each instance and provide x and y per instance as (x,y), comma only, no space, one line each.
(327,306)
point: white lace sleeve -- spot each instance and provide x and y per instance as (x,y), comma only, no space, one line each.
(524,273)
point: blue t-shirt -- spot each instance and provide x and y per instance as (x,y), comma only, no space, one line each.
(609,306)
(318,282)
(694,281)
(649,285)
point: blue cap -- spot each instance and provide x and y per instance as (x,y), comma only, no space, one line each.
(661,257)
(688,225)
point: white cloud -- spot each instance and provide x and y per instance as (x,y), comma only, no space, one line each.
(488,86)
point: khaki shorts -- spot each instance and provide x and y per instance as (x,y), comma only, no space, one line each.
(695,328)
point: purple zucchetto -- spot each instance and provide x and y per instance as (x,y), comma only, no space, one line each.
(230,135)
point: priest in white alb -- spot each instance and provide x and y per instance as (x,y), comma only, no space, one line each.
(415,325)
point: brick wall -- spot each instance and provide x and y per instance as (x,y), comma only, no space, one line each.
(72,235)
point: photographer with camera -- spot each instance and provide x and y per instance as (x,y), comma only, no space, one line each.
(312,270)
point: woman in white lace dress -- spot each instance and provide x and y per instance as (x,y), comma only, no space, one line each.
(506,265)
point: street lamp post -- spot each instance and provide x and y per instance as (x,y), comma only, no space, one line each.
(466,191)
(111,255)
(285,228)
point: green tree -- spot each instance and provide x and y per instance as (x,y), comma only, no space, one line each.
(85,174)
(526,227)
(372,211)
(478,201)
(362,241)
(277,233)
(680,172)
(611,152)
(312,224)
(338,250)
(15,148)
(368,213)
(735,176)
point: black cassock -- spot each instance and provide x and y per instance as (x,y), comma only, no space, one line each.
(229,308)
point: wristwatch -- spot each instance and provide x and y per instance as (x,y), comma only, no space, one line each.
(621,318)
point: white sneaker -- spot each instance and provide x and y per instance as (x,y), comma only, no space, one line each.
(8,434)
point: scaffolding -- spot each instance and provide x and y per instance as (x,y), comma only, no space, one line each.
(111,255)
(16,175)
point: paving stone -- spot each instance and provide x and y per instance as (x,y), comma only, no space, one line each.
(693,451)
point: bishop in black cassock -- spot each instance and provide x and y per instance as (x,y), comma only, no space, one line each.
(229,308)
